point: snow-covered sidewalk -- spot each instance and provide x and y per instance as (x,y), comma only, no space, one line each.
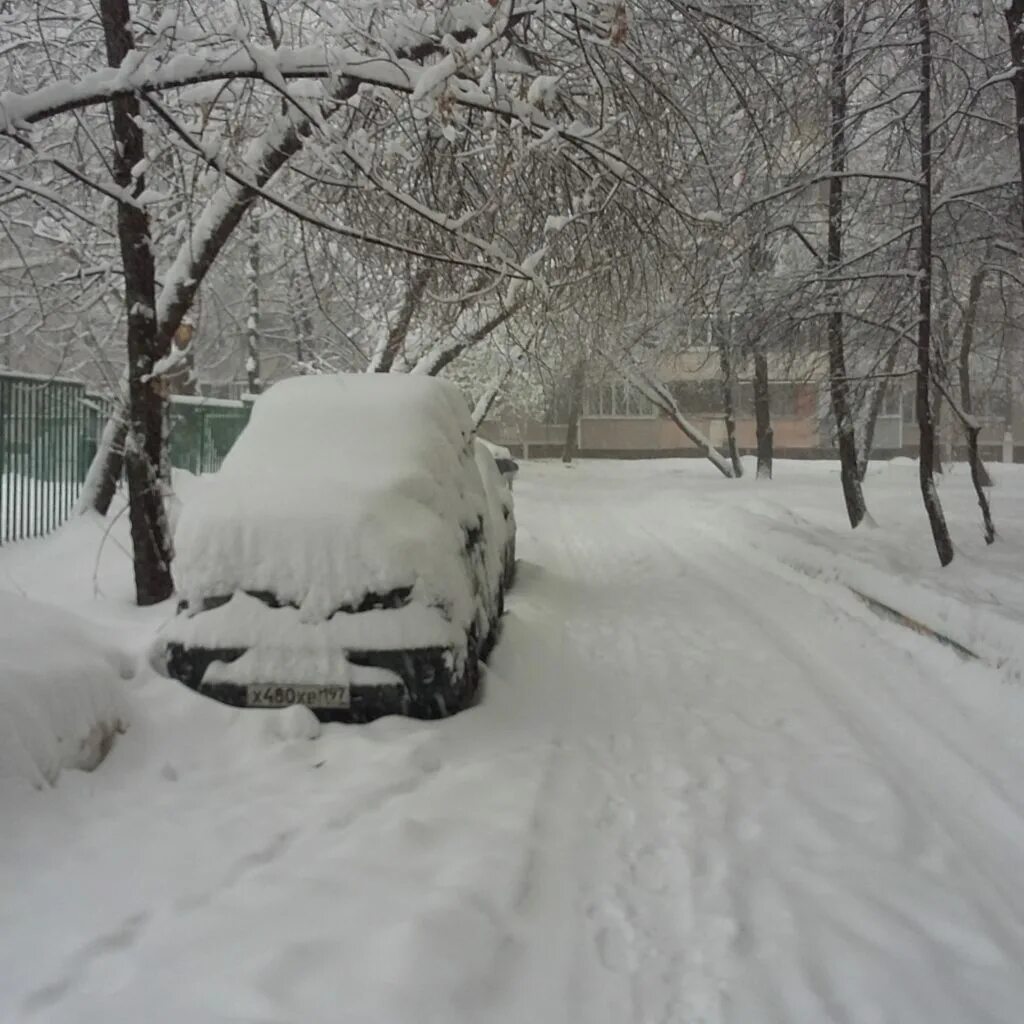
(706,784)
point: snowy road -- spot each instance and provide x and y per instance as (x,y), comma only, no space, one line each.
(703,787)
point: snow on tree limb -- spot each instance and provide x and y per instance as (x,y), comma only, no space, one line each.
(656,392)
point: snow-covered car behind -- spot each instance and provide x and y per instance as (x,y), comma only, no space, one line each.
(351,554)
(507,466)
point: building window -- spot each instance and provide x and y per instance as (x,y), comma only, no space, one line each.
(618,401)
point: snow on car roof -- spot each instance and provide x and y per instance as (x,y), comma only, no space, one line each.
(365,427)
(339,486)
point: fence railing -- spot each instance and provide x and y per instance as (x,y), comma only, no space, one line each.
(49,432)
(201,431)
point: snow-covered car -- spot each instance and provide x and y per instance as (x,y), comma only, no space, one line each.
(351,554)
(498,486)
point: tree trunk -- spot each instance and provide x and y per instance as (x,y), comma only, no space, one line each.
(979,475)
(576,383)
(483,407)
(925,421)
(661,398)
(150,537)
(107,464)
(839,385)
(980,479)
(444,355)
(875,410)
(763,417)
(252,324)
(415,288)
(978,470)
(936,407)
(1014,13)
(729,403)
(299,301)
(1010,375)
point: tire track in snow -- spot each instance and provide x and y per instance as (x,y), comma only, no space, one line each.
(643,891)
(811,860)
(884,727)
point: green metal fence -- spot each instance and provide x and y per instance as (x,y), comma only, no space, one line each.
(42,458)
(49,432)
(201,431)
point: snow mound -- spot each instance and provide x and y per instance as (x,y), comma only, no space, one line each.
(289,725)
(61,702)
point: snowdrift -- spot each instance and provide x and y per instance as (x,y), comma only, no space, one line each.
(61,699)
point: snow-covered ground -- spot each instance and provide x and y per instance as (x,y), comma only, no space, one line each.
(707,783)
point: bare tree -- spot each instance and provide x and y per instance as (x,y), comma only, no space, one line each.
(151,541)
(838,380)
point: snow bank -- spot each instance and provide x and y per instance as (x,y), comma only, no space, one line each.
(61,703)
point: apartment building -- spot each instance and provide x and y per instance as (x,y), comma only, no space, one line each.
(619,422)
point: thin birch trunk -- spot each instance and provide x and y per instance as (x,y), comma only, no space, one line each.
(661,398)
(925,421)
(763,417)
(875,410)
(107,464)
(729,404)
(971,429)
(1014,13)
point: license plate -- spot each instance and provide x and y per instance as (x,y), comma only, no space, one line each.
(285,696)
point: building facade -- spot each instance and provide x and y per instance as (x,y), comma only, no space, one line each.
(618,422)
